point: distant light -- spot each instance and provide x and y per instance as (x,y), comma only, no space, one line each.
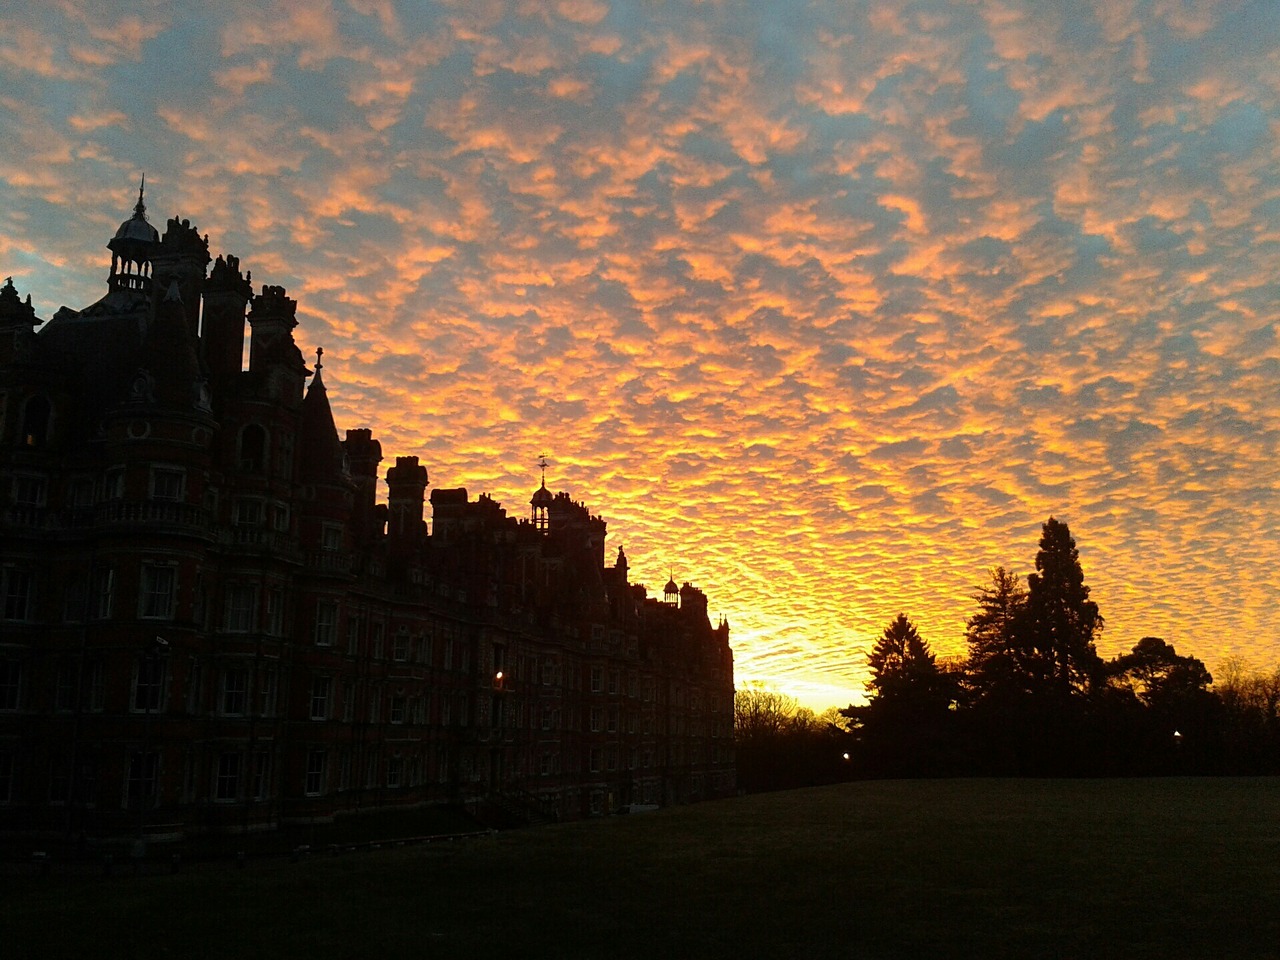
(846,756)
(498,675)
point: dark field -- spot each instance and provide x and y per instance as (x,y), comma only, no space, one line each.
(995,868)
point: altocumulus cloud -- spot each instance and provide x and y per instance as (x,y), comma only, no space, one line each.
(828,307)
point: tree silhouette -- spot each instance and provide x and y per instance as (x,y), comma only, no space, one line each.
(905,729)
(994,667)
(1055,634)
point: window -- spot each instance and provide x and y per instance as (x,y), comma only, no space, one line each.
(253,449)
(95,686)
(35,421)
(613,682)
(10,684)
(448,655)
(18,590)
(168,483)
(235,691)
(353,635)
(379,631)
(156,595)
(242,602)
(64,691)
(331,537)
(73,599)
(275,612)
(280,517)
(103,594)
(113,484)
(140,789)
(348,701)
(30,491)
(261,775)
(593,760)
(267,692)
(320,691)
(6,776)
(597,679)
(397,710)
(395,768)
(596,719)
(326,630)
(148,687)
(249,512)
(375,705)
(315,773)
(227,783)
(400,646)
(613,720)
(544,765)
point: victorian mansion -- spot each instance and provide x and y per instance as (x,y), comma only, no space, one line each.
(211,623)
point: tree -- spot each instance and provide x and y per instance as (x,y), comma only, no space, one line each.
(902,665)
(994,663)
(1055,633)
(905,729)
(1156,674)
(760,712)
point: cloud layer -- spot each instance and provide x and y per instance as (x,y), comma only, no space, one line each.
(825,306)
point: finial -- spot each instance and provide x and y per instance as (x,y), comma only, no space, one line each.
(141,209)
(542,462)
(319,354)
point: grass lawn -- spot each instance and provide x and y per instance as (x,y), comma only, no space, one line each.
(948,868)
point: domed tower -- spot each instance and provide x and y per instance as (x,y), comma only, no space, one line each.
(131,250)
(541,501)
(671,592)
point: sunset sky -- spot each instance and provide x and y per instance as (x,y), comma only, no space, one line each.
(824,306)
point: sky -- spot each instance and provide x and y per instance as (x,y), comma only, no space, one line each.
(824,306)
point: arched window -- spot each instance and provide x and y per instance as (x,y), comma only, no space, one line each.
(35,421)
(253,449)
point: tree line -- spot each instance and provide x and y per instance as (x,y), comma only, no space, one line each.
(1032,697)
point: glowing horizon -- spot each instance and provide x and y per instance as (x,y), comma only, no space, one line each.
(826,307)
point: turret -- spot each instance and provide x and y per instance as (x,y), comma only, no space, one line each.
(17,320)
(131,250)
(181,258)
(226,297)
(406,489)
(363,456)
(274,358)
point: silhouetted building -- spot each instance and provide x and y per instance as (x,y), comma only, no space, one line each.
(210,623)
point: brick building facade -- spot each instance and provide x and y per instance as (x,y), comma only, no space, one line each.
(210,622)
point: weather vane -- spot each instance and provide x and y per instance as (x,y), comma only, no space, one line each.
(542,462)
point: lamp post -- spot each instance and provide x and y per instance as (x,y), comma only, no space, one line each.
(154,649)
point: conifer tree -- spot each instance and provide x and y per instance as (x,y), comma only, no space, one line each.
(1056,632)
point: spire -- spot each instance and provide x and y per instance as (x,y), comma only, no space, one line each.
(541,500)
(140,210)
(322,453)
(671,592)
